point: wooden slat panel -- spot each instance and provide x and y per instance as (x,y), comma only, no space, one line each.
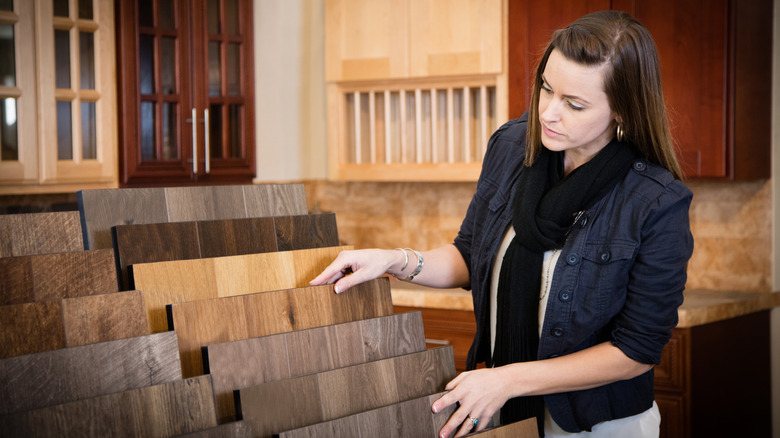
(48,325)
(105,208)
(55,276)
(167,409)
(412,418)
(203,322)
(166,283)
(40,233)
(45,379)
(247,362)
(278,406)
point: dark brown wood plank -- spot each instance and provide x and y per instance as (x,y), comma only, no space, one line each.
(306,231)
(236,237)
(167,409)
(103,208)
(258,360)
(104,317)
(73,274)
(30,328)
(204,203)
(146,243)
(278,406)
(208,321)
(40,233)
(16,283)
(49,378)
(235,429)
(263,200)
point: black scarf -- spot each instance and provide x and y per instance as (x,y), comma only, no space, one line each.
(545,206)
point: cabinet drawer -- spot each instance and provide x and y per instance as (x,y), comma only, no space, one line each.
(670,373)
(447,327)
(673,418)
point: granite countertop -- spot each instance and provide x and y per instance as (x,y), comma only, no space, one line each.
(700,306)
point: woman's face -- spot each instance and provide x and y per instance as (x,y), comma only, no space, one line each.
(574,110)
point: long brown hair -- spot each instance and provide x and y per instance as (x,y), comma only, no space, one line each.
(632,82)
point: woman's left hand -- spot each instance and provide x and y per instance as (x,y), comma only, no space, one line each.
(481,394)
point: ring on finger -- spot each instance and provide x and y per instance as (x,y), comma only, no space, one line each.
(474,420)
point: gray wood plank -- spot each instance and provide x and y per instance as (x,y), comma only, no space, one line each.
(275,200)
(103,208)
(40,233)
(235,429)
(204,202)
(167,409)
(45,379)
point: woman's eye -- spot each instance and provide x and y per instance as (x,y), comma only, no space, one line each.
(575,107)
(546,88)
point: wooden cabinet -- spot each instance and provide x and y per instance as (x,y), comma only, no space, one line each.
(715,64)
(58,96)
(186,92)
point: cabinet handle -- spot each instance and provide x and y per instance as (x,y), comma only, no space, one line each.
(206,138)
(194,141)
(437,341)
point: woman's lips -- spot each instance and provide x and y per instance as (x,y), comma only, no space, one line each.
(549,132)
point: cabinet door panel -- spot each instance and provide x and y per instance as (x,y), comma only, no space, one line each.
(366,40)
(455,37)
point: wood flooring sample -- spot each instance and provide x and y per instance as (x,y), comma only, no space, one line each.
(50,277)
(104,208)
(293,403)
(45,379)
(48,325)
(521,429)
(40,233)
(164,283)
(235,429)
(167,409)
(209,321)
(253,361)
(408,419)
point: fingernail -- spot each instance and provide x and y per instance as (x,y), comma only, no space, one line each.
(337,289)
(435,409)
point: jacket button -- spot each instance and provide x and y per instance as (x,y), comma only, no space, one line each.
(639,166)
(572,259)
(584,222)
(564,296)
(557,332)
(604,256)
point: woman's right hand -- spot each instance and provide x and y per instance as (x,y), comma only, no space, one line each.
(354,267)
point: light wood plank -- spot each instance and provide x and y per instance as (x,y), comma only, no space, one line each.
(172,282)
(271,200)
(45,379)
(40,233)
(161,410)
(287,404)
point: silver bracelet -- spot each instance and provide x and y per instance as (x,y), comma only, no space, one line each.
(417,270)
(406,260)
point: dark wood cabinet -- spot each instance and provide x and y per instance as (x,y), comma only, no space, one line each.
(186,92)
(716,60)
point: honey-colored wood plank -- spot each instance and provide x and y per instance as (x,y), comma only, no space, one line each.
(30,327)
(104,317)
(204,203)
(148,243)
(164,283)
(204,322)
(73,274)
(49,378)
(40,233)
(104,208)
(249,362)
(166,409)
(237,236)
(342,392)
(16,284)
(263,200)
(306,231)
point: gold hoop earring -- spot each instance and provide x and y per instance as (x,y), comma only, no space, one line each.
(619,133)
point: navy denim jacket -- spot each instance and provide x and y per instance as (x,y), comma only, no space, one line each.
(620,277)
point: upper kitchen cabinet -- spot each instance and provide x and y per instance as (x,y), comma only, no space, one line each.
(186,92)
(716,60)
(57,95)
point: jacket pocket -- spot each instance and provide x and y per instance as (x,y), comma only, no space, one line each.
(603,277)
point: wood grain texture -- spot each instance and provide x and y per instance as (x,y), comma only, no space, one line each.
(408,419)
(521,429)
(102,209)
(40,233)
(149,243)
(49,277)
(45,379)
(48,325)
(292,403)
(162,410)
(235,429)
(164,283)
(253,361)
(204,322)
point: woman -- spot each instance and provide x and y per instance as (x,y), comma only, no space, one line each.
(574,245)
